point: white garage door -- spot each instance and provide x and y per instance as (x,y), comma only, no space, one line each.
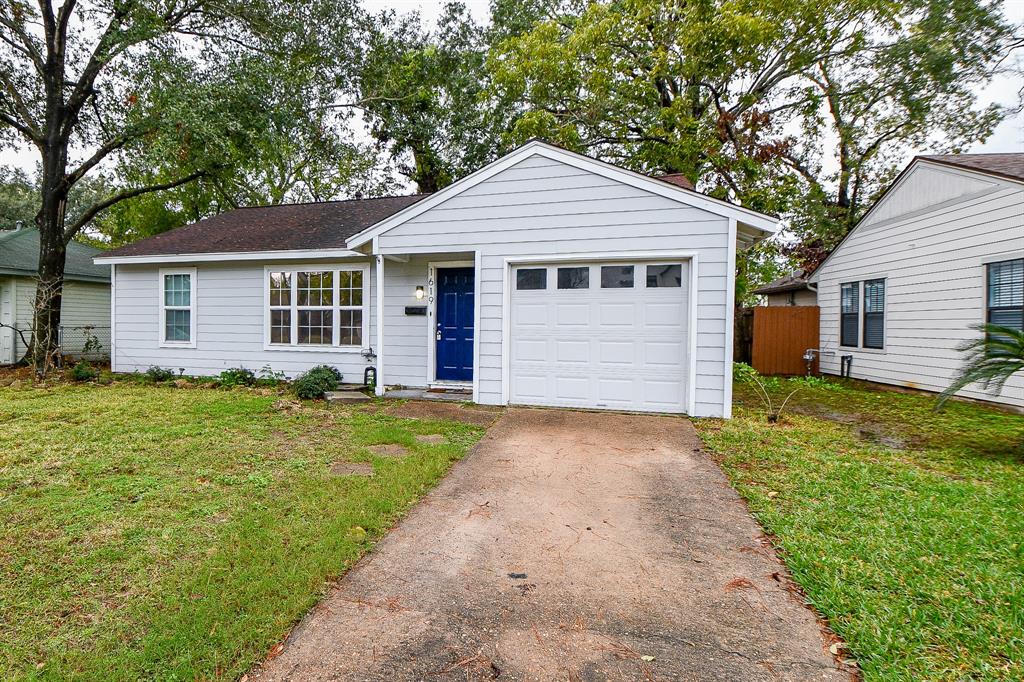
(600,335)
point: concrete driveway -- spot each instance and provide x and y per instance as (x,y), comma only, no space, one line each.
(567,546)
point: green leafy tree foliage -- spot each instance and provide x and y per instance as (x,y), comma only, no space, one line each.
(795,107)
(423,95)
(17,198)
(180,89)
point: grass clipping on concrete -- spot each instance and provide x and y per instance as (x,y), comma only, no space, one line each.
(163,533)
(904,527)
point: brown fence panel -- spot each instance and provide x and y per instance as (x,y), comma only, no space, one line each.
(781,335)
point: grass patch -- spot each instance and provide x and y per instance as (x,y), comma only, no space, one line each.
(162,533)
(904,527)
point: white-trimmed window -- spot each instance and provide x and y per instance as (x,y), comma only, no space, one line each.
(317,307)
(178,307)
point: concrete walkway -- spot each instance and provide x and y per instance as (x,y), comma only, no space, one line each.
(567,546)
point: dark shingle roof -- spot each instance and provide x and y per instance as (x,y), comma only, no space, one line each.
(1008,165)
(19,255)
(287,227)
(794,281)
(677,179)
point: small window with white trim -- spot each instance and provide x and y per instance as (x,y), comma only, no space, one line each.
(531,279)
(666,275)
(574,278)
(1004,297)
(177,307)
(616,276)
(317,307)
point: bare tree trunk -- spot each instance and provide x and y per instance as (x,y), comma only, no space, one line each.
(52,257)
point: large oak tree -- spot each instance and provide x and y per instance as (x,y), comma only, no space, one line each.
(187,84)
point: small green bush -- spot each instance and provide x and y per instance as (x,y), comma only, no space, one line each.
(317,381)
(237,376)
(159,374)
(83,371)
(268,377)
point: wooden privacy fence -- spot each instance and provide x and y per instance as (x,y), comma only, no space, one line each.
(781,335)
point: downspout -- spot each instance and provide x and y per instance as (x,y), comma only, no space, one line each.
(378,389)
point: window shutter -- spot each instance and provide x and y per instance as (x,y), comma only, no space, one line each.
(849,310)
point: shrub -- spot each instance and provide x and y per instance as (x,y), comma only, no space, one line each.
(159,374)
(316,382)
(237,376)
(83,371)
(268,377)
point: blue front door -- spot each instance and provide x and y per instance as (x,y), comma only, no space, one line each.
(454,332)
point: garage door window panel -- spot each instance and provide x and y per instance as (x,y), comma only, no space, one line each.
(616,276)
(574,278)
(668,275)
(531,279)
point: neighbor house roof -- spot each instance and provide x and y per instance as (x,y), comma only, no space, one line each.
(1009,165)
(677,179)
(794,281)
(19,255)
(285,227)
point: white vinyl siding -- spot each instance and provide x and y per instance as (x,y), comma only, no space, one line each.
(230,317)
(934,263)
(542,207)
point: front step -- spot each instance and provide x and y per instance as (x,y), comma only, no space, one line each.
(345,397)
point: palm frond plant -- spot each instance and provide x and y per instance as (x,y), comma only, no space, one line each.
(989,360)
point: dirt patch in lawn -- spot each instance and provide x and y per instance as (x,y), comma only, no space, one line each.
(352,469)
(431,438)
(389,450)
(477,415)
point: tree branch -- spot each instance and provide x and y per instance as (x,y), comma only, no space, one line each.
(98,208)
(104,150)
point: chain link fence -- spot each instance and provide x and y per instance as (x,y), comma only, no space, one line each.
(84,343)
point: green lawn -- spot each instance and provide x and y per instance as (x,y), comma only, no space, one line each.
(904,527)
(176,533)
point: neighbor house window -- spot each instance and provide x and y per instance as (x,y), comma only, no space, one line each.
(177,307)
(316,308)
(874,313)
(1005,294)
(849,317)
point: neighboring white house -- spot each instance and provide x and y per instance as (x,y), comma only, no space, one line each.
(545,278)
(942,250)
(85,301)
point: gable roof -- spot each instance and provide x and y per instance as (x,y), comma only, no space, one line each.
(19,255)
(794,281)
(1008,166)
(756,223)
(285,227)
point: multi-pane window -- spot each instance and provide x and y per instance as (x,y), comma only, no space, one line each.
(1005,294)
(322,307)
(874,313)
(849,316)
(177,309)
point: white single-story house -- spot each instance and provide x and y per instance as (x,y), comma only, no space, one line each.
(85,300)
(792,289)
(941,250)
(545,278)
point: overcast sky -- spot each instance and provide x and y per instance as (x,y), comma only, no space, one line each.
(1008,137)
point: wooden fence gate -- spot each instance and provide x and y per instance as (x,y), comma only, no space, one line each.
(781,335)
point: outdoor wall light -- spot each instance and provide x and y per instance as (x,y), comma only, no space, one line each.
(419,293)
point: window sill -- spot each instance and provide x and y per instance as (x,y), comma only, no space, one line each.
(314,349)
(179,344)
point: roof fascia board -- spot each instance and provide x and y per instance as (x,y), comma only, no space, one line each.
(304,254)
(748,217)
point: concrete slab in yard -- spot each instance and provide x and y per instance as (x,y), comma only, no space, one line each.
(567,546)
(346,397)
